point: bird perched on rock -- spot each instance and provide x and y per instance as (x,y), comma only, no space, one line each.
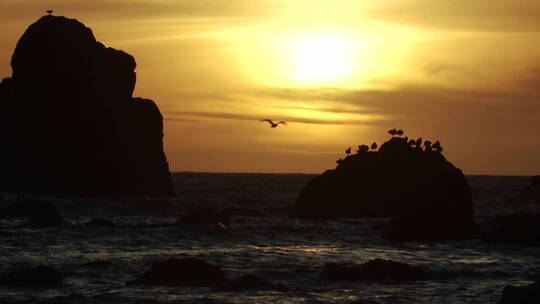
(348,151)
(49,12)
(419,143)
(393,131)
(400,132)
(412,142)
(374,146)
(273,124)
(437,147)
(427,144)
(362,149)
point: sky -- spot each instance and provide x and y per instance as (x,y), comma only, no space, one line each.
(341,73)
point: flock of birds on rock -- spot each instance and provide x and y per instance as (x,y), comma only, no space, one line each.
(418,144)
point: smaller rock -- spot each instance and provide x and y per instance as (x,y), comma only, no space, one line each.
(101,222)
(182,272)
(529,294)
(204,217)
(39,275)
(377,269)
(516,228)
(531,192)
(48,216)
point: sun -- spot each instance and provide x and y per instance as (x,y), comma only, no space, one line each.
(322,58)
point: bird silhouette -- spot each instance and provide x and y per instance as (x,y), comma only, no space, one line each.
(49,11)
(400,132)
(437,147)
(393,131)
(374,146)
(362,149)
(427,145)
(348,151)
(273,124)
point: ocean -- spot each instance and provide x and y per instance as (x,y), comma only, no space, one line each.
(97,262)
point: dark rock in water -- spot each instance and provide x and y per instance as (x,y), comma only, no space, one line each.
(421,187)
(101,222)
(69,125)
(182,272)
(41,213)
(26,208)
(377,269)
(414,228)
(529,294)
(248,281)
(204,217)
(49,216)
(516,228)
(235,211)
(531,193)
(39,275)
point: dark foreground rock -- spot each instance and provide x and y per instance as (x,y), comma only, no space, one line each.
(182,272)
(400,180)
(529,294)
(531,192)
(516,228)
(69,125)
(377,269)
(39,275)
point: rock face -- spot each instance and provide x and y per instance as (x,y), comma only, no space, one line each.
(69,125)
(377,269)
(399,180)
(182,272)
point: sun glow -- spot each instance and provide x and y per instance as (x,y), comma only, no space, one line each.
(320,58)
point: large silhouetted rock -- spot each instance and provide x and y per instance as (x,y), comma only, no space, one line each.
(529,294)
(418,187)
(69,125)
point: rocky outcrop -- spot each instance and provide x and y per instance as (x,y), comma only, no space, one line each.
(40,213)
(377,269)
(529,294)
(182,272)
(69,125)
(38,275)
(531,192)
(416,184)
(516,228)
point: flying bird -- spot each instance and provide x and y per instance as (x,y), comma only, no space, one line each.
(49,12)
(273,124)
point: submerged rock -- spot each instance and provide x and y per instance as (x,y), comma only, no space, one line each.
(101,222)
(377,269)
(182,272)
(69,125)
(516,228)
(529,294)
(531,192)
(204,217)
(419,186)
(39,275)
(248,282)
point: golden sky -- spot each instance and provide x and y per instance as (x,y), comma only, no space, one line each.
(340,72)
